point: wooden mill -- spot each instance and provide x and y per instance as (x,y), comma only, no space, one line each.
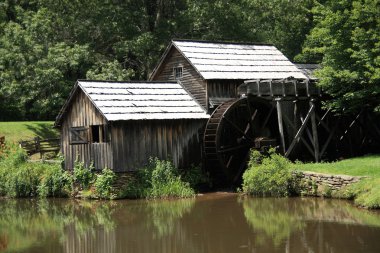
(211,102)
(257,99)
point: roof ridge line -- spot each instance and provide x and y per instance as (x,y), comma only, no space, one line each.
(223,42)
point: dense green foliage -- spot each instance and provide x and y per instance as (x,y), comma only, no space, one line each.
(19,178)
(160,179)
(83,176)
(345,39)
(46,45)
(365,193)
(269,175)
(104,184)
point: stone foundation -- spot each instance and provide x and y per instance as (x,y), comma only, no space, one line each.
(320,184)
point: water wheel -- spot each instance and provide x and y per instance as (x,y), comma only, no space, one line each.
(232,130)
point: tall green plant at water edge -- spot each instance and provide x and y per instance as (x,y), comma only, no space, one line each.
(20,178)
(166,182)
(160,179)
(268,175)
(83,175)
(103,184)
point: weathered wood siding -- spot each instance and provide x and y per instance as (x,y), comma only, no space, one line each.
(223,88)
(82,113)
(133,142)
(191,80)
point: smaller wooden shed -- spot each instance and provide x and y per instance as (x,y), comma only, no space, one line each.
(119,125)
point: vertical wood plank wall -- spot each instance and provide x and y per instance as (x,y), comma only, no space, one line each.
(191,80)
(223,88)
(82,112)
(133,142)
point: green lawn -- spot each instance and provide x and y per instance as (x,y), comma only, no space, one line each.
(24,130)
(359,166)
(366,193)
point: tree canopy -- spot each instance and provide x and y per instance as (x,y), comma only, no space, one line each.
(46,45)
(345,40)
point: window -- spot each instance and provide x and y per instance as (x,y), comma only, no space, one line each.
(78,135)
(98,134)
(177,72)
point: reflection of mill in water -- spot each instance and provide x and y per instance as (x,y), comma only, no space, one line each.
(221,223)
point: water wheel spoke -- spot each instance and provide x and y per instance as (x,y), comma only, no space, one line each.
(229,149)
(251,117)
(238,129)
(229,161)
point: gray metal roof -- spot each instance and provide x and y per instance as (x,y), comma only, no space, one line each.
(142,100)
(308,69)
(217,60)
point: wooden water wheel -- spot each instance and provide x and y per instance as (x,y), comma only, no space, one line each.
(232,130)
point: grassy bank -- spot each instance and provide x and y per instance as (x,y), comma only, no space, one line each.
(365,193)
(274,175)
(24,130)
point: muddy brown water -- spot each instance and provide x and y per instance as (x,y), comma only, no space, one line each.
(215,222)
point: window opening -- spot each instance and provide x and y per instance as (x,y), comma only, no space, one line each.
(178,72)
(98,134)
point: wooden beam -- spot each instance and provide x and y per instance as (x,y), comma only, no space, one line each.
(315,132)
(331,135)
(280,124)
(352,123)
(287,120)
(238,129)
(268,117)
(300,131)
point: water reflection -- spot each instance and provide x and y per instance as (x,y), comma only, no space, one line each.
(316,225)
(212,223)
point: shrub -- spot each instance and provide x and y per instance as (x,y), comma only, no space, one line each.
(269,175)
(20,178)
(160,179)
(83,176)
(103,184)
(55,183)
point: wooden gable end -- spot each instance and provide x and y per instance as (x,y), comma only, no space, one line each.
(190,79)
(76,142)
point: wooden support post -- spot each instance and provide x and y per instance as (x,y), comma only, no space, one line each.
(280,124)
(315,132)
(295,114)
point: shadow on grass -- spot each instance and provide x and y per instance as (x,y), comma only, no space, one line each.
(44,130)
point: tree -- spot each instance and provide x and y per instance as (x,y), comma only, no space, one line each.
(46,45)
(346,41)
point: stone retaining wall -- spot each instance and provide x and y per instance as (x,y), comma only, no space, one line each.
(320,184)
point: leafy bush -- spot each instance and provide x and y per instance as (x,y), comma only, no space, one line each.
(268,175)
(55,183)
(83,176)
(160,179)
(103,184)
(19,178)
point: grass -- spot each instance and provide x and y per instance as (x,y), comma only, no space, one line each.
(365,193)
(25,130)
(358,166)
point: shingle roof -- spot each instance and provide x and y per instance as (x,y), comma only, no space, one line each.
(308,69)
(219,60)
(141,100)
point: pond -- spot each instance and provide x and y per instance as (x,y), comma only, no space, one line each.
(217,222)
